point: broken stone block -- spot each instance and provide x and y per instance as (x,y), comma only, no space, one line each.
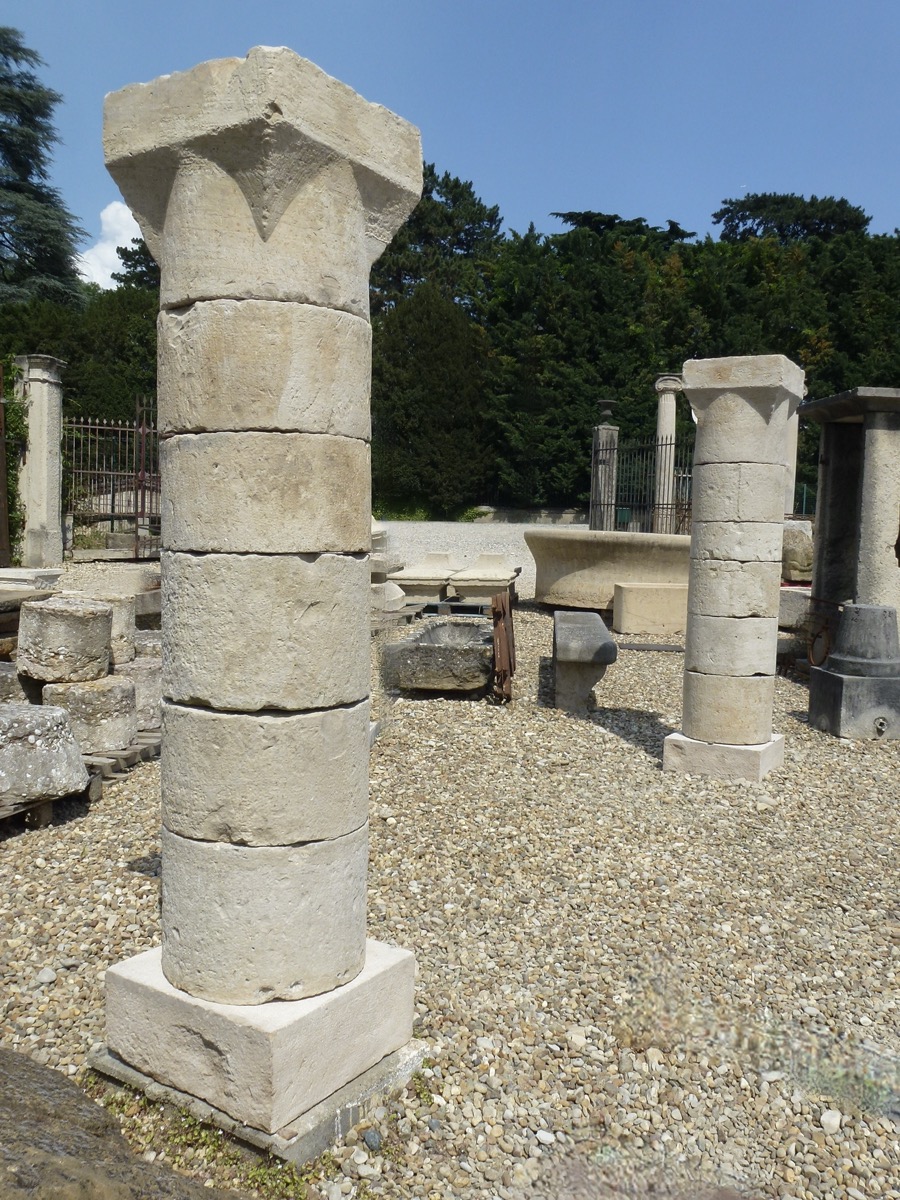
(447,656)
(64,639)
(145,673)
(41,758)
(797,552)
(121,640)
(102,711)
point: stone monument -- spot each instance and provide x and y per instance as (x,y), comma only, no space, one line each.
(265,189)
(667,388)
(742,407)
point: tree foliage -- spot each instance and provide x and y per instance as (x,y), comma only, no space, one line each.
(788,217)
(38,236)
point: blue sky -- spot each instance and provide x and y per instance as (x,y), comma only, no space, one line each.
(651,108)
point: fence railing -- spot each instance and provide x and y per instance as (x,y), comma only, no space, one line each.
(643,488)
(111,483)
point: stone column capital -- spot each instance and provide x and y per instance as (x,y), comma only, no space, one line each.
(262,178)
(40,368)
(759,379)
(669,383)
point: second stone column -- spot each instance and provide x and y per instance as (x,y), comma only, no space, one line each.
(742,407)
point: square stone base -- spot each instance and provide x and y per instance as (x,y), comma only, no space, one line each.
(854,706)
(719,761)
(659,609)
(264,1065)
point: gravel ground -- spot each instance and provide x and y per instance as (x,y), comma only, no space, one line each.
(624,978)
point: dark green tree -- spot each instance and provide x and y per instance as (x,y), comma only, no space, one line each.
(139,268)
(38,236)
(788,217)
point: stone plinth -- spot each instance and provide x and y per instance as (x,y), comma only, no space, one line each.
(265,190)
(857,692)
(742,407)
(659,609)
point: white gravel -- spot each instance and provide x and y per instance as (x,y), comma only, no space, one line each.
(621,974)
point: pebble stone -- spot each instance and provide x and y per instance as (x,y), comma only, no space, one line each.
(620,973)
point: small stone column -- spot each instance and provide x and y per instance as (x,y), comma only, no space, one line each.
(742,407)
(667,387)
(265,189)
(604,472)
(790,464)
(878,570)
(40,482)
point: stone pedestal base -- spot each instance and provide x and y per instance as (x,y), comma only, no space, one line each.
(854,706)
(264,1065)
(683,754)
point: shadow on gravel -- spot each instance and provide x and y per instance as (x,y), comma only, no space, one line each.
(64,811)
(147,864)
(599,1173)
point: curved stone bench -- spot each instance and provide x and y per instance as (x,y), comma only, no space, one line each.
(582,650)
(579,568)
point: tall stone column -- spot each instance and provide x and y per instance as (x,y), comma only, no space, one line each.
(40,481)
(604,475)
(878,569)
(265,189)
(667,387)
(742,407)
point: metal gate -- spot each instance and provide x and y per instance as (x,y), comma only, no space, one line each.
(111,484)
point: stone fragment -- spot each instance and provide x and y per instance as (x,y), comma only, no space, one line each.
(145,673)
(64,640)
(446,656)
(122,629)
(830,1120)
(794,608)
(283,922)
(148,643)
(223,367)
(736,541)
(282,1058)
(797,552)
(265,779)
(741,491)
(102,711)
(731,645)
(41,758)
(729,588)
(736,710)
(299,493)
(11,690)
(247,632)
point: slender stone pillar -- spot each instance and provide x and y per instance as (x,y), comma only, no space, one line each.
(742,407)
(40,481)
(790,464)
(265,189)
(878,572)
(604,474)
(667,387)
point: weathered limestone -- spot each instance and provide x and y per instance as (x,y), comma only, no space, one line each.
(11,690)
(582,650)
(102,711)
(282,1057)
(41,759)
(488,575)
(426,582)
(265,190)
(306,772)
(742,407)
(121,639)
(231,619)
(64,639)
(145,672)
(858,499)
(214,351)
(797,554)
(667,388)
(300,493)
(255,950)
(650,608)
(579,568)
(40,481)
(447,656)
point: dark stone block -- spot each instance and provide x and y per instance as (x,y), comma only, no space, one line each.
(854,706)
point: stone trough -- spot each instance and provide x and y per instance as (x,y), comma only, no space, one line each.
(447,656)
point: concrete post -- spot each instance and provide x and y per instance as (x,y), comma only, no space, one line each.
(604,464)
(265,189)
(742,406)
(667,386)
(40,481)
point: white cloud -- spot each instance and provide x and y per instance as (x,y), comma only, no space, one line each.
(117,228)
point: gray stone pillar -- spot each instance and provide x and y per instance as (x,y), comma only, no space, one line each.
(790,464)
(667,387)
(40,481)
(265,189)
(742,406)
(878,569)
(604,471)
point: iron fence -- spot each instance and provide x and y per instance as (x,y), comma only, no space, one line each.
(111,483)
(646,487)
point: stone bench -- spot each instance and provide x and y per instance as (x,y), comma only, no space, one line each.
(582,650)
